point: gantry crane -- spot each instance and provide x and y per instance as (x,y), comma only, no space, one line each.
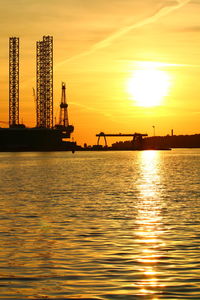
(137,138)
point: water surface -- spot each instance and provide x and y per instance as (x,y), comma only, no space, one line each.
(100,225)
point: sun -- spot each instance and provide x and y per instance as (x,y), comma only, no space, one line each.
(148,85)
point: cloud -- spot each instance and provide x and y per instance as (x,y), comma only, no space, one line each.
(191,29)
(91,109)
(195,2)
(165,8)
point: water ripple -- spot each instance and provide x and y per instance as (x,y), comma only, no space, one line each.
(104,225)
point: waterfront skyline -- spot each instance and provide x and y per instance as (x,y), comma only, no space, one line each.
(128,66)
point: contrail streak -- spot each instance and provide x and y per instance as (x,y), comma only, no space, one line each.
(163,11)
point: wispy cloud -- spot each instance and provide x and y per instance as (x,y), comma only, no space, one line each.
(166,8)
(191,29)
(91,109)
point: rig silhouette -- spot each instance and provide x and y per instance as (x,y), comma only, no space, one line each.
(45,136)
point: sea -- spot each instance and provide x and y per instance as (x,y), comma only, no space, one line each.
(100,225)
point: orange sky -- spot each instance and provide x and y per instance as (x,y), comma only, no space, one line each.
(99,47)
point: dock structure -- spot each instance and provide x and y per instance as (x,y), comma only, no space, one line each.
(137,137)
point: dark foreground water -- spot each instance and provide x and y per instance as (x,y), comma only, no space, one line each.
(100,225)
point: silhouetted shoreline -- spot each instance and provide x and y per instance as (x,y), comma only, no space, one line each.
(151,143)
(22,140)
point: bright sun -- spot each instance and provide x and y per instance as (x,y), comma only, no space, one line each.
(148,86)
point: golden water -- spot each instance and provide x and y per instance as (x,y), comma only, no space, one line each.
(100,225)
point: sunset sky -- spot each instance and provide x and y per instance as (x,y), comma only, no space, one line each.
(128,65)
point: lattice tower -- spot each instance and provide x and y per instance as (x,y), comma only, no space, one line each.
(44,92)
(13,81)
(63,120)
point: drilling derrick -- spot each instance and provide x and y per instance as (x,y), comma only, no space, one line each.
(13,81)
(63,120)
(44,99)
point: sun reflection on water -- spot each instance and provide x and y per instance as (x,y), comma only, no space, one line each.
(149,224)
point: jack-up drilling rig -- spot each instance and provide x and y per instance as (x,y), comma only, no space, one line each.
(45,136)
